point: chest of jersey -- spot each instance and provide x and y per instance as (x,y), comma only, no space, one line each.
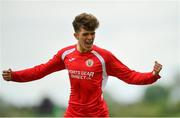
(83,67)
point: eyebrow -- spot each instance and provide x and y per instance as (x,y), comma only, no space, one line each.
(89,33)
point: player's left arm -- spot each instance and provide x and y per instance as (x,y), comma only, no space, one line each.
(116,68)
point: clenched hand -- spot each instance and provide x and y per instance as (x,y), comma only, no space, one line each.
(157,68)
(7,75)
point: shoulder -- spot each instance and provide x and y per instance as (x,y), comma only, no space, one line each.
(103,52)
(62,52)
(68,48)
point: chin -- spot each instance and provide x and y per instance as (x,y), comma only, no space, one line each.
(89,47)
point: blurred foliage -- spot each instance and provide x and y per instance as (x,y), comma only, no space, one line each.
(156,102)
(156,94)
(45,109)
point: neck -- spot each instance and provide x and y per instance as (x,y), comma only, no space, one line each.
(80,49)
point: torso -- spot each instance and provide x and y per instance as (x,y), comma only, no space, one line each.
(86,78)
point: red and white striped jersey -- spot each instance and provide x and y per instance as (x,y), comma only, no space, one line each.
(88,74)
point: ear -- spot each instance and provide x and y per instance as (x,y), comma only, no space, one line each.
(76,35)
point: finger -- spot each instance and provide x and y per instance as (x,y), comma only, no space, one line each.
(6,71)
(157,68)
(3,74)
(6,75)
(156,71)
(9,70)
(157,63)
(7,79)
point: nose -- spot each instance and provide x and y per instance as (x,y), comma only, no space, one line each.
(90,37)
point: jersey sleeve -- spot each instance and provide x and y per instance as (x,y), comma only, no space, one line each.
(39,71)
(115,67)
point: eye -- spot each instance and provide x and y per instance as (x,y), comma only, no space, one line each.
(85,34)
(93,33)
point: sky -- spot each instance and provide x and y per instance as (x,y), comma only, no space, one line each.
(136,32)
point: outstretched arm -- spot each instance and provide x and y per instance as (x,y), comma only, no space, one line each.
(36,72)
(118,69)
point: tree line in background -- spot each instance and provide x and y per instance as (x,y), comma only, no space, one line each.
(157,102)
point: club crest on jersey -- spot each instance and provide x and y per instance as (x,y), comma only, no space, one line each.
(89,62)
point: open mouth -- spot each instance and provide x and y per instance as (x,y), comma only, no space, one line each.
(89,42)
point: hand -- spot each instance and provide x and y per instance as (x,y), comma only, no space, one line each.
(157,68)
(7,75)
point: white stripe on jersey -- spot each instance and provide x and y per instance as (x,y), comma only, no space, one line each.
(104,74)
(67,52)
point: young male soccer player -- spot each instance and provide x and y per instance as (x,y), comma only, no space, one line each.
(89,67)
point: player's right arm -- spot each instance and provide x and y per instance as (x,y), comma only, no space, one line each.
(36,72)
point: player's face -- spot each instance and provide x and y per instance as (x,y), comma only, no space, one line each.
(85,39)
